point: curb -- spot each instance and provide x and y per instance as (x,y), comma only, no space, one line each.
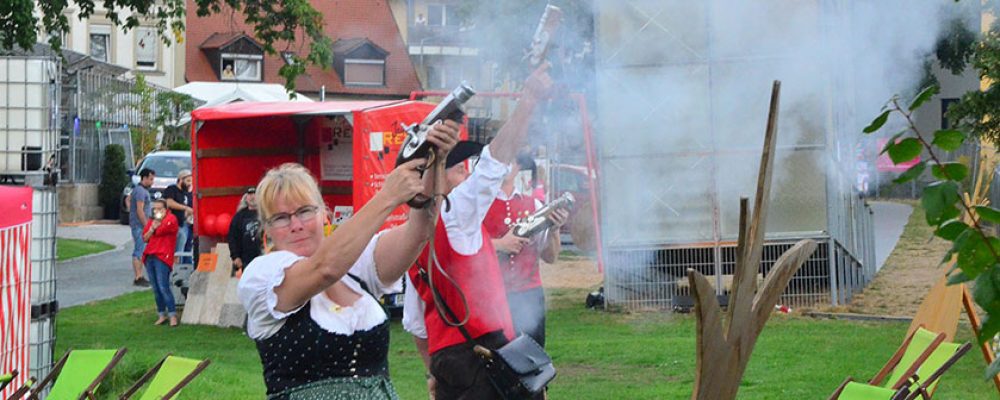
(74,259)
(857,317)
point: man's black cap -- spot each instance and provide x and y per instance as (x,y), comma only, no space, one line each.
(462,151)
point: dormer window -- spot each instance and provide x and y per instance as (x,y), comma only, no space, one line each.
(235,57)
(359,62)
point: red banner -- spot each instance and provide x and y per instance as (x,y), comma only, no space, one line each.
(15,283)
(378,134)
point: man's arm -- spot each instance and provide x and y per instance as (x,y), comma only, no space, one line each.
(398,248)
(553,243)
(174,205)
(510,138)
(470,201)
(426,357)
(233,237)
(140,207)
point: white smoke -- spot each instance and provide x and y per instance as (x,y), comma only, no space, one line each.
(681,95)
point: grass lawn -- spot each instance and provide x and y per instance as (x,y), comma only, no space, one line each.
(72,248)
(598,355)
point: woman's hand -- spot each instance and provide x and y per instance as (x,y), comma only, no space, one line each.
(444,136)
(404,182)
(510,243)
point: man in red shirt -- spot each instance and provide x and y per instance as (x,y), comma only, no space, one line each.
(160,235)
(518,257)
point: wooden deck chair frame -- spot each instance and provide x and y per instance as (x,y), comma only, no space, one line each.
(922,391)
(23,390)
(89,392)
(894,361)
(173,391)
(13,375)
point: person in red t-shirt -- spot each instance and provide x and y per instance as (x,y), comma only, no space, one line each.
(160,235)
(518,256)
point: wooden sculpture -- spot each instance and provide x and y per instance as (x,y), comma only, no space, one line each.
(723,352)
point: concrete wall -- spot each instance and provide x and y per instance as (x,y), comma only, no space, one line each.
(79,202)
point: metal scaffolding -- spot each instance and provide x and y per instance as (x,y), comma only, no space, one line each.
(674,166)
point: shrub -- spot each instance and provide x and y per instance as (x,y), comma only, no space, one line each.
(113,179)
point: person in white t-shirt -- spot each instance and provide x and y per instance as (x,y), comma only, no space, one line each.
(311,302)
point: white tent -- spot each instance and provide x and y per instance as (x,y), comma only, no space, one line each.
(216,93)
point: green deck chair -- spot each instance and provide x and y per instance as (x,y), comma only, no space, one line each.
(925,381)
(864,391)
(171,375)
(920,379)
(903,364)
(78,374)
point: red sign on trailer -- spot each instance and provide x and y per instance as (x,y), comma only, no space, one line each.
(348,146)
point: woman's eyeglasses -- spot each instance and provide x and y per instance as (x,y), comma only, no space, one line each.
(283,220)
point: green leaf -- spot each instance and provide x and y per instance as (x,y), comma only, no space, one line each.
(975,256)
(923,96)
(878,122)
(939,200)
(950,170)
(957,278)
(905,150)
(951,230)
(892,141)
(947,257)
(991,326)
(948,139)
(911,173)
(988,214)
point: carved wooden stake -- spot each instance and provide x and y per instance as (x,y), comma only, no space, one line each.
(723,354)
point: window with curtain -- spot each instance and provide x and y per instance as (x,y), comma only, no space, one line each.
(100,42)
(362,72)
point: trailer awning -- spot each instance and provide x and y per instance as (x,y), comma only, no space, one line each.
(272,109)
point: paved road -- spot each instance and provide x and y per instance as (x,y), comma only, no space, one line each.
(889,220)
(100,276)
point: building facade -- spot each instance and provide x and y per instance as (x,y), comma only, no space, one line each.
(369,55)
(140,49)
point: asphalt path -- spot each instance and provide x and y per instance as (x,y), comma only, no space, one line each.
(97,276)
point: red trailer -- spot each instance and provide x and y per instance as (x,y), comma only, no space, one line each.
(349,146)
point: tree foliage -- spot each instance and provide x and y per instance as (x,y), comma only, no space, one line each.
(975,252)
(170,108)
(275,23)
(979,111)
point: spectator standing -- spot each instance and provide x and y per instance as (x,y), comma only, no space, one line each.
(160,235)
(179,202)
(139,203)
(244,232)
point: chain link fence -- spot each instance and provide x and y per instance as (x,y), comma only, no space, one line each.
(102,110)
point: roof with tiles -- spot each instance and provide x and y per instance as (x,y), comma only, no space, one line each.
(349,23)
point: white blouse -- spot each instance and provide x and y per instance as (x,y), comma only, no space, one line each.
(256,292)
(470,201)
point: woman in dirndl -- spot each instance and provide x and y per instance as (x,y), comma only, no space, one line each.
(312,301)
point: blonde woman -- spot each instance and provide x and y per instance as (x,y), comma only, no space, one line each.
(312,301)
